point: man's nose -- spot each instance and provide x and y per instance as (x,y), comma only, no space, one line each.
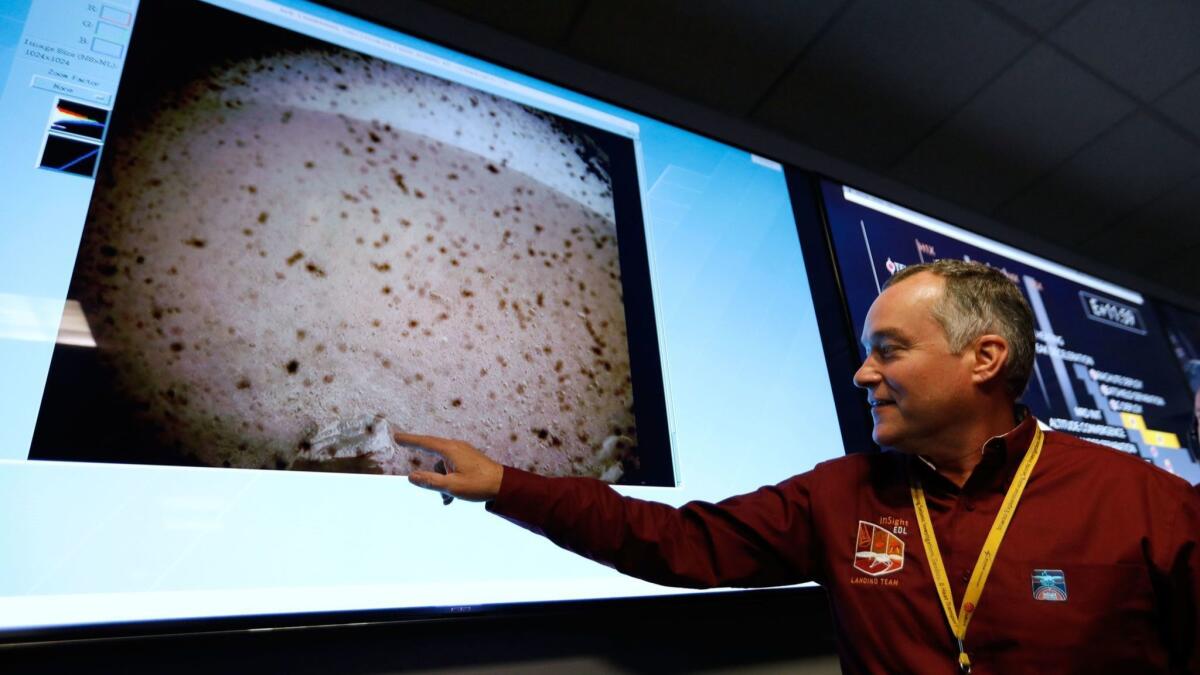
(866,376)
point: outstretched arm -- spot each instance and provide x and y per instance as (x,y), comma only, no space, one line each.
(764,538)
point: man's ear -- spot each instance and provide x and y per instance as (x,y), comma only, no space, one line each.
(991,353)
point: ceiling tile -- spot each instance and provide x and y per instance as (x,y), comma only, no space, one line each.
(1129,248)
(887,72)
(1040,15)
(1180,274)
(1036,114)
(543,22)
(1153,234)
(1122,170)
(1177,211)
(1182,105)
(1144,46)
(719,53)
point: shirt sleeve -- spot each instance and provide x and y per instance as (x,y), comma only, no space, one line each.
(763,538)
(1179,586)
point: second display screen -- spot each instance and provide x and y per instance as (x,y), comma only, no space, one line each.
(1104,370)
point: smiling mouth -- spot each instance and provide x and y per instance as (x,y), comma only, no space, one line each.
(880,404)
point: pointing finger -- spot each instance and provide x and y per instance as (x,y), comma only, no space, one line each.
(442,446)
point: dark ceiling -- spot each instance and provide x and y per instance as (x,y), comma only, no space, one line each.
(1076,121)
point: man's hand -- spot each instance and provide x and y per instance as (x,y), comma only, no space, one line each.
(470,474)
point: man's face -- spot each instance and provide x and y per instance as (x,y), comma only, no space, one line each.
(917,389)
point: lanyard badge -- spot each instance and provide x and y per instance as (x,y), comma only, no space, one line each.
(959,620)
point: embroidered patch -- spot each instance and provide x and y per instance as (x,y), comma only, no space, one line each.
(1049,585)
(878,552)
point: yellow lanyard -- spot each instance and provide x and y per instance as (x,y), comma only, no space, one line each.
(959,620)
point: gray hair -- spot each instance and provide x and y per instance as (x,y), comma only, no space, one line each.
(980,300)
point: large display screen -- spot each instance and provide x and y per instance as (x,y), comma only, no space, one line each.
(246,240)
(292,252)
(1104,370)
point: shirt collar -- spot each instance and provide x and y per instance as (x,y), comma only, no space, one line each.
(1011,447)
(1002,456)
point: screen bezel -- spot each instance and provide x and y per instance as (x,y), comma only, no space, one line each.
(636,609)
(838,341)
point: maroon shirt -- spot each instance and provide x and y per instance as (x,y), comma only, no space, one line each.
(1122,533)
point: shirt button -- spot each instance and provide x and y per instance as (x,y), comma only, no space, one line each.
(966,577)
(969,506)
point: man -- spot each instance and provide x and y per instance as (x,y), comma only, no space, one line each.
(1096,571)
